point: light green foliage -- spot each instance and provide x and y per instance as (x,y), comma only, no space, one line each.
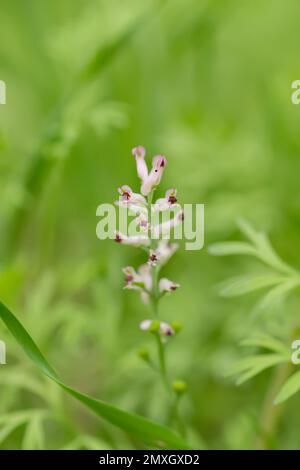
(280,286)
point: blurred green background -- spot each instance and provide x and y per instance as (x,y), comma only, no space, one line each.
(208,84)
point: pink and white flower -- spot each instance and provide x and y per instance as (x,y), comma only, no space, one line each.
(159,252)
(164,328)
(167,202)
(153,258)
(142,222)
(165,285)
(165,250)
(127,195)
(137,240)
(140,281)
(164,229)
(139,153)
(159,164)
(145,325)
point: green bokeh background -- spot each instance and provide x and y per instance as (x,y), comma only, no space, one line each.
(206,83)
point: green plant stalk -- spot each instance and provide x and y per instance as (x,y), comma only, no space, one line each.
(155,301)
(271,413)
(155,297)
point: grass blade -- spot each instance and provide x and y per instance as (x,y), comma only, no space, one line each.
(150,432)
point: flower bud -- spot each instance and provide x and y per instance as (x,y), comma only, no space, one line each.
(141,166)
(143,353)
(154,327)
(177,326)
(165,285)
(166,329)
(159,164)
(179,387)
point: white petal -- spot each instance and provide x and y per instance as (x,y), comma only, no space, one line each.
(145,297)
(141,165)
(145,272)
(165,228)
(145,325)
(166,250)
(133,241)
(153,180)
(165,285)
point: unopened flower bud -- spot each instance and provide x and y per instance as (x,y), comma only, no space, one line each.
(141,166)
(177,326)
(153,258)
(165,285)
(154,327)
(179,387)
(144,354)
(159,164)
(166,329)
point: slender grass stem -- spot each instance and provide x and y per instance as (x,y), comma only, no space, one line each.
(271,414)
(161,351)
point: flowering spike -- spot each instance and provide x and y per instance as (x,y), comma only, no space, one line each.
(148,230)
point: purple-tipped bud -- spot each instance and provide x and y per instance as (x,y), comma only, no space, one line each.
(139,151)
(126,192)
(165,285)
(166,329)
(159,164)
(141,166)
(153,258)
(171,196)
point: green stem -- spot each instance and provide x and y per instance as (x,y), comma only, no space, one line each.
(160,346)
(271,414)
(162,362)
(177,418)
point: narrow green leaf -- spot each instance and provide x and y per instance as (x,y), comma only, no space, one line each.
(231,248)
(245,284)
(278,294)
(150,432)
(291,386)
(267,342)
(272,361)
(260,248)
(270,257)
(253,365)
(34,438)
(246,228)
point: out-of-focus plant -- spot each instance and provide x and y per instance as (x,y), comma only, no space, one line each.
(279,279)
(154,238)
(150,432)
